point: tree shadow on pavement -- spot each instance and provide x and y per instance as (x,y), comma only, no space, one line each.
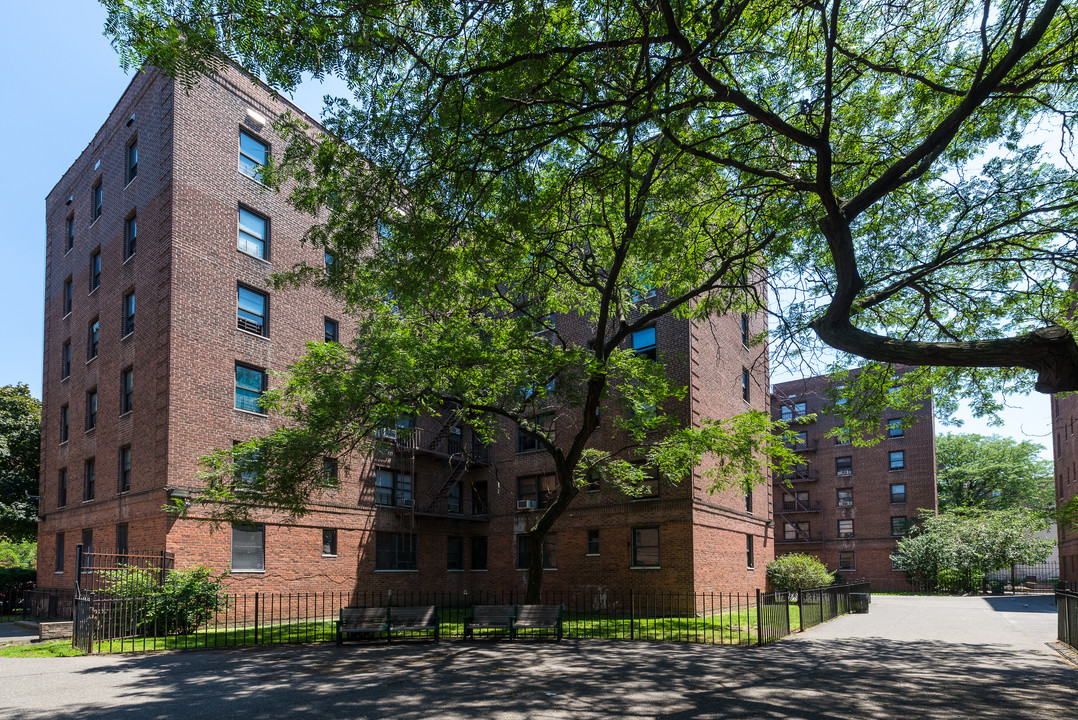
(862,678)
(1023,603)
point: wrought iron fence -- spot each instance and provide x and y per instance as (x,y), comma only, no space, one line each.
(13,600)
(1067,614)
(97,569)
(1023,579)
(111,624)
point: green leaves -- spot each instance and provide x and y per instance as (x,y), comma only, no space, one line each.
(992,473)
(20,452)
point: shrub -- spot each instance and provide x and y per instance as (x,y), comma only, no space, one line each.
(184,601)
(798,571)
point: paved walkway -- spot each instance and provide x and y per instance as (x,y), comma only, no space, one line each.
(933,658)
(12,633)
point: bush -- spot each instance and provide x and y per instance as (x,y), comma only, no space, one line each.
(21,577)
(184,601)
(798,571)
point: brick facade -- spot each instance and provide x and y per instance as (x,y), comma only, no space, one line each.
(841,483)
(1065,446)
(186,198)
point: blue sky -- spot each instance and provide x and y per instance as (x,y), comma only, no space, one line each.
(59,79)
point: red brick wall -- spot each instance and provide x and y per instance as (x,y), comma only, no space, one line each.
(1064,417)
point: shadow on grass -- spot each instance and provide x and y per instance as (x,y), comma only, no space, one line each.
(802,678)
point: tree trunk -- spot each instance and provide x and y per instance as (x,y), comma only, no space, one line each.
(567,490)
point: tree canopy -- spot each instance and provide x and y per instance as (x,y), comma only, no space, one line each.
(957,547)
(20,459)
(992,473)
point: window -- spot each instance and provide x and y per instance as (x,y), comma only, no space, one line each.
(644,343)
(132,160)
(63,423)
(844,465)
(795,500)
(65,361)
(121,539)
(395,551)
(248,548)
(550,552)
(127,391)
(649,487)
(95,270)
(454,553)
(392,488)
(125,468)
(645,547)
(91,409)
(593,542)
(332,334)
(896,564)
(129,314)
(70,243)
(130,236)
(330,471)
(895,429)
(479,553)
(845,561)
(898,493)
(87,543)
(845,497)
(789,412)
(527,442)
(67,296)
(330,260)
(252,234)
(898,459)
(592,482)
(745,393)
(89,480)
(252,155)
(95,202)
(845,528)
(750,558)
(93,334)
(329,542)
(745,333)
(453,500)
(540,489)
(59,552)
(250,384)
(899,525)
(748,500)
(801,440)
(61,489)
(479,499)
(251,311)
(795,531)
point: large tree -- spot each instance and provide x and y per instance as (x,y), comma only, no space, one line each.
(875,164)
(20,459)
(992,473)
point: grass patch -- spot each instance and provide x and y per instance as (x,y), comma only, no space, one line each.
(51,648)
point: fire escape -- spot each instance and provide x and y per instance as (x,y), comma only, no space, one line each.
(796,509)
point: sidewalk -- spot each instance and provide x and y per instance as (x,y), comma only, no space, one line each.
(935,658)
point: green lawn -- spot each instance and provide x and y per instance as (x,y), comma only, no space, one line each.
(52,648)
(735,627)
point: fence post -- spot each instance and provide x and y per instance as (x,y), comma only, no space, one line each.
(256,618)
(1014,583)
(78,567)
(759,619)
(801,609)
(632,615)
(162,567)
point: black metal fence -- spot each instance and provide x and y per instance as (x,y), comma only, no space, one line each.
(1067,614)
(97,570)
(1024,579)
(13,600)
(110,624)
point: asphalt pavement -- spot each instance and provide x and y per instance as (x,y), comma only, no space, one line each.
(908,658)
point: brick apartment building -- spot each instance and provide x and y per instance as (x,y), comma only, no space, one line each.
(849,505)
(161,332)
(1065,455)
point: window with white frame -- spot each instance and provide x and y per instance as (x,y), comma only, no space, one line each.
(248,548)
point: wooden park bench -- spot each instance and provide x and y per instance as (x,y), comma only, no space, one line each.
(489,617)
(538,617)
(362,620)
(414,619)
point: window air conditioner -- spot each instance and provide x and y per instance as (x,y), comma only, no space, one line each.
(525,504)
